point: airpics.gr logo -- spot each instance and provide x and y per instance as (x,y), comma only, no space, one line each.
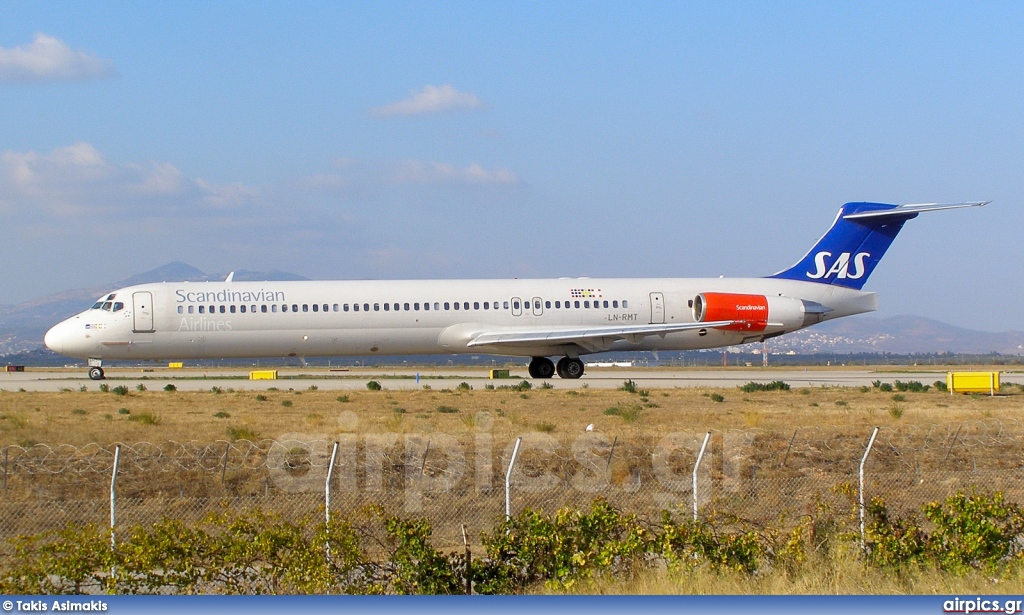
(840,268)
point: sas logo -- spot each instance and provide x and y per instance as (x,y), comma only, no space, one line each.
(840,268)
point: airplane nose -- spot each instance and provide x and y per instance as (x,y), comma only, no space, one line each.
(54,338)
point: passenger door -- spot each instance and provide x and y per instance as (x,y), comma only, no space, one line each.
(657,308)
(143,312)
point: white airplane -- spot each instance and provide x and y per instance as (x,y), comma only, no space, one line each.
(565,318)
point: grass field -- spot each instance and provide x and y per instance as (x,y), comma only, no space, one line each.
(77,418)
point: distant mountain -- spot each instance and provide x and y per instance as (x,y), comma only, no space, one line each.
(897,334)
(22,326)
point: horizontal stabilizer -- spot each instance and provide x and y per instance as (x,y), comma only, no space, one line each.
(904,210)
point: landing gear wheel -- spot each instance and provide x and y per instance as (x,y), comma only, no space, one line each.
(569,368)
(541,367)
(96,373)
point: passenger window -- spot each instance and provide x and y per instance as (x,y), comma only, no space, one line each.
(355,307)
(456,305)
(576,304)
(387,307)
(263,309)
(606,304)
(625,303)
(446,305)
(506,305)
(325,307)
(476,305)
(486,304)
(376,307)
(547,305)
(191,309)
(615,304)
(316,308)
(465,305)
(295,307)
(437,306)
(232,310)
(335,307)
(586,304)
(305,307)
(181,309)
(284,308)
(426,307)
(273,308)
(406,307)
(344,308)
(416,307)
(558,304)
(536,304)
(202,309)
(366,307)
(515,305)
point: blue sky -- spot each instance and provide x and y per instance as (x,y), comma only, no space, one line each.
(394,140)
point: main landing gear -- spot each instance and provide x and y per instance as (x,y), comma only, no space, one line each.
(542,367)
(96,373)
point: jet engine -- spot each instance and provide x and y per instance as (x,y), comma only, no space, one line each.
(756,312)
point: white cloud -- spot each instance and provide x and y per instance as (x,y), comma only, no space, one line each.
(431,99)
(76,180)
(416,172)
(49,59)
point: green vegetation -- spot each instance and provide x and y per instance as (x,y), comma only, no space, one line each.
(242,433)
(342,399)
(287,403)
(123,411)
(447,410)
(753,387)
(568,550)
(170,388)
(717,398)
(221,415)
(261,397)
(373,385)
(145,418)
(79,412)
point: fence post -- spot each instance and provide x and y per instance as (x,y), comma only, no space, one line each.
(696,466)
(861,494)
(327,484)
(5,468)
(113,495)
(469,562)
(508,476)
(224,463)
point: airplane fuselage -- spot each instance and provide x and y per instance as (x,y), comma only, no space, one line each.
(170,321)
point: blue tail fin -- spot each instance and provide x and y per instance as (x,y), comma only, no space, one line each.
(848,253)
(858,239)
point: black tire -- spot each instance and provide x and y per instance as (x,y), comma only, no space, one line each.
(541,367)
(96,373)
(572,369)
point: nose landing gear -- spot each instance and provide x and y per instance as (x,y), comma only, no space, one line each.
(96,373)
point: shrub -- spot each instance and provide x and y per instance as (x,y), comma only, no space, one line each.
(261,397)
(104,388)
(546,385)
(898,397)
(885,387)
(913,386)
(895,410)
(752,387)
(123,411)
(140,387)
(146,418)
(120,390)
(312,387)
(545,427)
(242,433)
(628,386)
(940,386)
(447,410)
(613,411)
(216,390)
(170,388)
(78,411)
(715,397)
(343,399)
(221,415)
(464,386)
(287,403)
(373,385)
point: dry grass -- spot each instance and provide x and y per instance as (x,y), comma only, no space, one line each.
(56,417)
(842,573)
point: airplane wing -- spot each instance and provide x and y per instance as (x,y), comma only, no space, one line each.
(589,337)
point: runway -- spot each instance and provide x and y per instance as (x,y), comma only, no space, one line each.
(197,379)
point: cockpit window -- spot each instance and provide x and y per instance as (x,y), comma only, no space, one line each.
(96,305)
(110,297)
(118,306)
(107,305)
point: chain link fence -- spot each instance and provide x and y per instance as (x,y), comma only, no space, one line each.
(757,476)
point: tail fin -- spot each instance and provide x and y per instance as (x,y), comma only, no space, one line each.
(862,232)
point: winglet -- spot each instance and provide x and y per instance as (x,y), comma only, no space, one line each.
(231,276)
